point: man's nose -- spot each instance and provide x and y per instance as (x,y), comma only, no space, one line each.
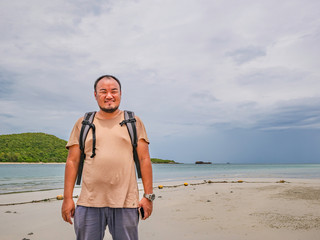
(109,95)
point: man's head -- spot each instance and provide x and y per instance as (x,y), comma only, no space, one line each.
(107,91)
(106,76)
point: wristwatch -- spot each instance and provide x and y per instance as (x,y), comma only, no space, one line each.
(150,197)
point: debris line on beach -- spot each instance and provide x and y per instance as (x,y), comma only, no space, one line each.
(33,201)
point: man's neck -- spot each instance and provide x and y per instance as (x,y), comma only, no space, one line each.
(105,115)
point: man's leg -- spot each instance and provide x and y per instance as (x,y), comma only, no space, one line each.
(89,223)
(123,223)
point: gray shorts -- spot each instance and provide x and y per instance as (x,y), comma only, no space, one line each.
(90,223)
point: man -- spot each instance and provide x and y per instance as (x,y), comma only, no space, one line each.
(109,194)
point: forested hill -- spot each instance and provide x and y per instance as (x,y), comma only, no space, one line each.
(32,147)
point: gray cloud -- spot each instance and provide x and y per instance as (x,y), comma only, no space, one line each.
(204,96)
(6,115)
(294,114)
(246,54)
(6,84)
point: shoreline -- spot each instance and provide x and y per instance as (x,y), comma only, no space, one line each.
(43,194)
(198,181)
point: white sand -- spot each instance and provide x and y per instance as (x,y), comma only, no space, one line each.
(256,209)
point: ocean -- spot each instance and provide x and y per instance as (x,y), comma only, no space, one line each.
(37,177)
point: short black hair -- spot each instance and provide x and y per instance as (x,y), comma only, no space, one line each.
(106,76)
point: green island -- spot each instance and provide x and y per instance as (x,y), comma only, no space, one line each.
(39,148)
(32,147)
(159,161)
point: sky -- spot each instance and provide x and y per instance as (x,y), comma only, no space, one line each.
(212,80)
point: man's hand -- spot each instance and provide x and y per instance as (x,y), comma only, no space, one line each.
(67,210)
(147,206)
(72,165)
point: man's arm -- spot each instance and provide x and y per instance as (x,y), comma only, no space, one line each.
(71,171)
(146,172)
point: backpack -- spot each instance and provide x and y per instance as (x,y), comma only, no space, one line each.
(87,123)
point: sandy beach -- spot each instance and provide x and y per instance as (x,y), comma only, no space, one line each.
(226,210)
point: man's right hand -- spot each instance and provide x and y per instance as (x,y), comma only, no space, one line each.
(67,210)
(72,164)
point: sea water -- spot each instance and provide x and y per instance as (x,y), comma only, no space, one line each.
(37,177)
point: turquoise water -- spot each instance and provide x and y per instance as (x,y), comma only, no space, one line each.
(36,177)
(223,171)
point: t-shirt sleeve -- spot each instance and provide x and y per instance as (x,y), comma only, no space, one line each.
(75,133)
(141,130)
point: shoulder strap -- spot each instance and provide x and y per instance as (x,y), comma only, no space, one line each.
(130,121)
(87,123)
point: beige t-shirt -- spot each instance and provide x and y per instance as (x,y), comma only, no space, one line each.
(109,179)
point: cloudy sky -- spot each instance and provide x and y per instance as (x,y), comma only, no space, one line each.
(221,81)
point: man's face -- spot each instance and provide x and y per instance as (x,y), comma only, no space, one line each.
(108,95)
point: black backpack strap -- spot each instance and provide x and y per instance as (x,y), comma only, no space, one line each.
(130,122)
(87,123)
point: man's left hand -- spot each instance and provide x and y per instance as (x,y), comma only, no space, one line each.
(147,206)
